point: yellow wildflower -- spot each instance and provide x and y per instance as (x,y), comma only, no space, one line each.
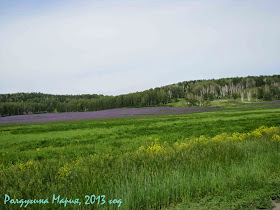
(64,171)
(220,137)
(183,146)
(142,148)
(27,165)
(276,138)
(201,139)
(155,148)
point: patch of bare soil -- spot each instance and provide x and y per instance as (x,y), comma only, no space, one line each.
(276,204)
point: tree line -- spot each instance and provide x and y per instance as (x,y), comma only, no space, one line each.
(196,93)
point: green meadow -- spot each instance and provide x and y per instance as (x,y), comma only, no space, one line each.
(227,103)
(227,159)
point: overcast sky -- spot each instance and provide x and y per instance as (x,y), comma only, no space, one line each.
(114,47)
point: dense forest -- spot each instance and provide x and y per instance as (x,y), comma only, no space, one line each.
(196,93)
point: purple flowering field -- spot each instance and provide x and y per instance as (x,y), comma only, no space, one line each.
(104,114)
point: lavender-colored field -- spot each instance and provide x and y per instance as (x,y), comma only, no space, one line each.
(104,114)
(270,102)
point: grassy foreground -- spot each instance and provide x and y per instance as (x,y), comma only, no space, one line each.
(146,163)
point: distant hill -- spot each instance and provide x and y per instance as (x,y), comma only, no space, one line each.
(196,93)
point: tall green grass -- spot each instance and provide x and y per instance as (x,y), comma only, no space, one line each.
(148,163)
